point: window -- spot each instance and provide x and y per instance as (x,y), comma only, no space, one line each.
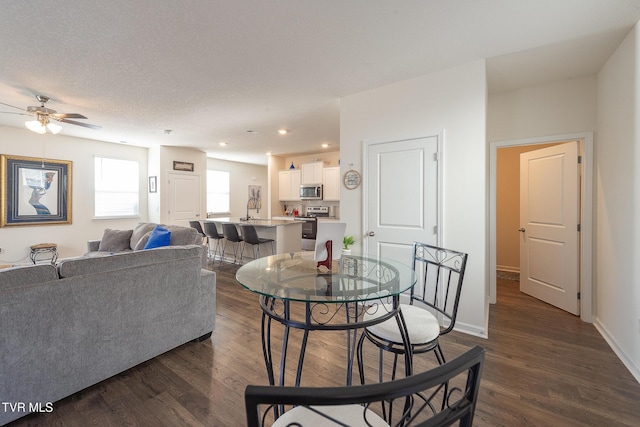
(116,188)
(217,191)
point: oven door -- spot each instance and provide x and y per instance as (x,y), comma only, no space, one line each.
(309,229)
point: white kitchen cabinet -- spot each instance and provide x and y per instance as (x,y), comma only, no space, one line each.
(289,185)
(312,172)
(331,183)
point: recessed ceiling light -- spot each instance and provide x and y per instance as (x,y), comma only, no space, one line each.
(251,131)
(167,131)
(325,145)
(283,131)
(268,153)
(223,144)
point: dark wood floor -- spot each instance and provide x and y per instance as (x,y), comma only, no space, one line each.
(544,367)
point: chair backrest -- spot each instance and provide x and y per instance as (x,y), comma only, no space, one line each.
(211,230)
(249,234)
(197,226)
(441,396)
(439,274)
(230,232)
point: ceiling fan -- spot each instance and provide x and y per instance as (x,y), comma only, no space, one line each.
(44,115)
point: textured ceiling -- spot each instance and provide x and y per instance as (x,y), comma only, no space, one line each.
(211,70)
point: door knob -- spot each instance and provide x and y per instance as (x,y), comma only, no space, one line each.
(371,234)
(521,229)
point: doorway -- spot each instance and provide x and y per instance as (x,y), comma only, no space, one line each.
(586,140)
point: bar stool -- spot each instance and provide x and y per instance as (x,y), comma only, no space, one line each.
(44,248)
(198,227)
(230,233)
(212,233)
(250,236)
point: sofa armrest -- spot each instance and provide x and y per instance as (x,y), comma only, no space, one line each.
(93,245)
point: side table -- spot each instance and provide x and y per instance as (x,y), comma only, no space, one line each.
(50,249)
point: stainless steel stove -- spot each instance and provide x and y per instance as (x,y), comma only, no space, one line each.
(310,225)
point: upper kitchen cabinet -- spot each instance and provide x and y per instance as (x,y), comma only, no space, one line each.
(289,185)
(331,183)
(312,172)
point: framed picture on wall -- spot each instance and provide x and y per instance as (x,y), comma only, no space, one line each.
(153,184)
(35,191)
(182,166)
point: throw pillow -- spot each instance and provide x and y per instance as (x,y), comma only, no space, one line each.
(142,242)
(160,236)
(115,240)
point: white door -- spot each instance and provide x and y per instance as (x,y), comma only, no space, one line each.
(401,196)
(184,198)
(549,218)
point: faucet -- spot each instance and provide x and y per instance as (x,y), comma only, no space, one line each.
(255,203)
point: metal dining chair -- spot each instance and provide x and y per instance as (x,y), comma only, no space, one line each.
(431,311)
(250,236)
(212,233)
(230,233)
(443,396)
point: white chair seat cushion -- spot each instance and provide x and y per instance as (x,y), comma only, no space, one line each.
(423,327)
(351,415)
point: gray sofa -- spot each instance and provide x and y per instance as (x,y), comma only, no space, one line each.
(68,327)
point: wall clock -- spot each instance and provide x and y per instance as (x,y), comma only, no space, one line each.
(351,179)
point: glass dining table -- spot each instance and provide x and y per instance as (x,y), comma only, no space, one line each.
(297,294)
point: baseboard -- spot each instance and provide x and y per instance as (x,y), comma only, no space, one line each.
(470,330)
(626,360)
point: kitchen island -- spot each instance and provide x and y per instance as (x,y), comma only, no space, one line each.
(287,235)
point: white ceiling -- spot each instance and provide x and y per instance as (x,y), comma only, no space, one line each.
(211,70)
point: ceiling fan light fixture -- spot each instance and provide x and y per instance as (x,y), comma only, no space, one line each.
(54,128)
(35,126)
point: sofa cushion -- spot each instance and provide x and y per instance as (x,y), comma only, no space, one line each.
(159,237)
(139,232)
(27,275)
(115,240)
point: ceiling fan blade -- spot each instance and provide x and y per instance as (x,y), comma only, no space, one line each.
(13,106)
(15,112)
(86,125)
(67,116)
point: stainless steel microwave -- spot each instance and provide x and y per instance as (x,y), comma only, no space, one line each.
(311,192)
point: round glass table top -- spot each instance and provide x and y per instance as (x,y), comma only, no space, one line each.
(294,276)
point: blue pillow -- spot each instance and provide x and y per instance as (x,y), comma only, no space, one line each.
(160,236)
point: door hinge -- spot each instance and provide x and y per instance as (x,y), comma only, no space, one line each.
(435,157)
(435,229)
(578,295)
(579,159)
(579,227)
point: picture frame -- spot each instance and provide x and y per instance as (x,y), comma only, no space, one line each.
(182,166)
(35,191)
(255,197)
(153,184)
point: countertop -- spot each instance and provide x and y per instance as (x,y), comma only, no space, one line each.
(258,222)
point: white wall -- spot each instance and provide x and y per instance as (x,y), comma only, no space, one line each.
(452,102)
(71,238)
(618,199)
(242,176)
(555,108)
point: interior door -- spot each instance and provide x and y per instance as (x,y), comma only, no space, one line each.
(549,218)
(184,198)
(401,196)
